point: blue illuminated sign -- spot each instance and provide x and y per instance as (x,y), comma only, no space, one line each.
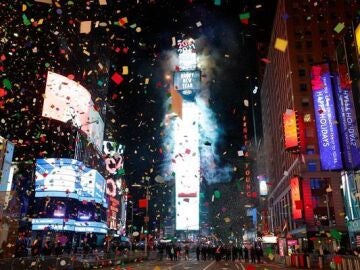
(348,125)
(326,122)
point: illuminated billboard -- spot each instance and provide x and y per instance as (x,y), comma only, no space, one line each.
(347,117)
(357,38)
(187,83)
(326,122)
(290,130)
(61,177)
(295,198)
(60,224)
(67,101)
(187,169)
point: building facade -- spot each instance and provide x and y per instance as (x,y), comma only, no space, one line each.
(305,199)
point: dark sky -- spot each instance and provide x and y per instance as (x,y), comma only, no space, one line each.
(37,37)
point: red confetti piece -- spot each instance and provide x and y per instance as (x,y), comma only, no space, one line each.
(117,78)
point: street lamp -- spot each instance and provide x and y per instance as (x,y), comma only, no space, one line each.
(146,219)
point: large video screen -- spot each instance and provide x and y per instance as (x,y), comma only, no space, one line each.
(66,100)
(61,177)
(58,224)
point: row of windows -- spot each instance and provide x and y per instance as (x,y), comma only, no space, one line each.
(308,44)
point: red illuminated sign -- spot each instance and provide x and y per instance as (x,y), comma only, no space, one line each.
(290,130)
(296,203)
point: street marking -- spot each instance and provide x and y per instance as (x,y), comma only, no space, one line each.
(237,267)
(242,266)
(209,265)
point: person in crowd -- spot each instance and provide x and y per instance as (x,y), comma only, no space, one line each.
(161,251)
(58,249)
(47,248)
(252,254)
(35,246)
(218,253)
(186,248)
(172,252)
(246,254)
(234,253)
(175,254)
(203,253)
(198,252)
(20,246)
(258,252)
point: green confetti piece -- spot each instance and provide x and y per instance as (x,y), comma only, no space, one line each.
(339,27)
(133,25)
(47,65)
(244,16)
(120,172)
(26,21)
(217,2)
(7,84)
(99,83)
(238,185)
(217,194)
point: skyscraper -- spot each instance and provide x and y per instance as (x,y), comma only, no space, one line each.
(305,198)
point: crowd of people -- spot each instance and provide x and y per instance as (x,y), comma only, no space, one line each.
(174,251)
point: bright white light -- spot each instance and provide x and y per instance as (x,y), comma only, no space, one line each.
(186,165)
(187,60)
(255,90)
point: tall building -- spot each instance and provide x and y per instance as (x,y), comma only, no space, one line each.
(305,198)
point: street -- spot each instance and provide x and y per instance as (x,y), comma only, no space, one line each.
(198,265)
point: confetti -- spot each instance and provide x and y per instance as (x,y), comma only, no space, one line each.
(281,44)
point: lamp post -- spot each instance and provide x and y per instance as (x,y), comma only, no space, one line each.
(146,219)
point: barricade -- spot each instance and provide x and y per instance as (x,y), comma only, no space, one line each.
(75,262)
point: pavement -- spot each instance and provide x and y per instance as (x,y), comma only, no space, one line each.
(193,264)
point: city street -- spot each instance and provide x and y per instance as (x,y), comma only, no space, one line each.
(199,265)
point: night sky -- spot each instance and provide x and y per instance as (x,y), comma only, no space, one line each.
(36,37)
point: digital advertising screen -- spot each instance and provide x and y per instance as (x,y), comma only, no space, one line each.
(348,122)
(290,130)
(61,177)
(325,117)
(66,100)
(295,198)
(187,83)
(60,224)
(186,168)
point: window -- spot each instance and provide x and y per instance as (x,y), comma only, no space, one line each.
(309,132)
(308,44)
(310,149)
(300,59)
(298,45)
(302,72)
(324,43)
(311,166)
(308,33)
(305,102)
(320,17)
(322,32)
(303,87)
(310,58)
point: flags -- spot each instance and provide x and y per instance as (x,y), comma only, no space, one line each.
(143,203)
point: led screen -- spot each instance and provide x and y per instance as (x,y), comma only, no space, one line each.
(60,177)
(348,122)
(295,198)
(186,168)
(187,83)
(59,224)
(326,122)
(66,100)
(290,130)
